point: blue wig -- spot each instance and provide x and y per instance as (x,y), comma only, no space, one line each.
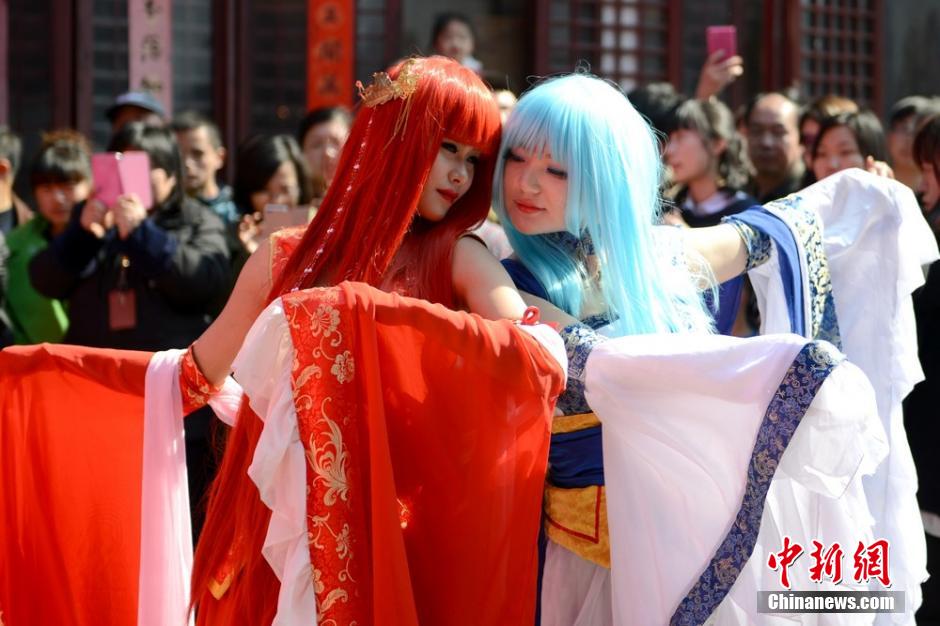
(614,174)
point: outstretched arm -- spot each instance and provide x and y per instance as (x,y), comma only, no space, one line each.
(482,284)
(216,348)
(721,246)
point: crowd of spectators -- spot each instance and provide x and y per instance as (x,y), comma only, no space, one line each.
(151,277)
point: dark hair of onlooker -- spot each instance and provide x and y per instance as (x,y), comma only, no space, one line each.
(657,102)
(160,145)
(257,161)
(443,20)
(191,120)
(906,107)
(321,116)
(752,104)
(713,122)
(827,106)
(926,147)
(64,157)
(11,148)
(864,125)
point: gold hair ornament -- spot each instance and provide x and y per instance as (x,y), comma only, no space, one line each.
(383,88)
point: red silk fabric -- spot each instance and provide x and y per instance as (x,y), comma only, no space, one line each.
(71,434)
(426,436)
(445,421)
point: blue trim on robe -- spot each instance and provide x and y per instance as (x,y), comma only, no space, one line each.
(729,301)
(805,376)
(788,253)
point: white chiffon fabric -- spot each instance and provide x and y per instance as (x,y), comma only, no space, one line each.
(680,417)
(876,241)
(575,591)
(166,534)
(166,539)
(278,469)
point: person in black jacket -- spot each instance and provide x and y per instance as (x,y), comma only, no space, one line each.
(6,329)
(922,406)
(149,281)
(142,278)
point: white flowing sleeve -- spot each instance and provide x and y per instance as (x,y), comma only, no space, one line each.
(278,469)
(688,425)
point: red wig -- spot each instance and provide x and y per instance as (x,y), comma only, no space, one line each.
(365,230)
(367,223)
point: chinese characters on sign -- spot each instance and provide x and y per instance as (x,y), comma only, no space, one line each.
(150,48)
(330,52)
(868,562)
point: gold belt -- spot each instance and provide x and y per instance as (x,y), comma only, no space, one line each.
(576,519)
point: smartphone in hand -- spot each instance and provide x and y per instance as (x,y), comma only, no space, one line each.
(278,216)
(724,38)
(118,173)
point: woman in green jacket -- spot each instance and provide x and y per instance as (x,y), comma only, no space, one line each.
(60,178)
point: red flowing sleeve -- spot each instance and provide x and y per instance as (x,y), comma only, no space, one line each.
(456,425)
(424,434)
(70,495)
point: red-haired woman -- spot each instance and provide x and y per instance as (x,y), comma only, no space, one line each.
(413,178)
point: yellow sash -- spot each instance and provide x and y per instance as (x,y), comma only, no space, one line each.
(577,518)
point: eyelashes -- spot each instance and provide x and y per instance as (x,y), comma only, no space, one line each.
(511,156)
(454,149)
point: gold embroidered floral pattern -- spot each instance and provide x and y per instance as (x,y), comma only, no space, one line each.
(328,463)
(325,321)
(283,243)
(343,367)
(324,405)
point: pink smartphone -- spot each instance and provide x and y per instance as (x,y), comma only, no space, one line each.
(724,38)
(118,173)
(278,216)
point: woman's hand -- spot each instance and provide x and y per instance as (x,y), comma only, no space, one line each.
(128,212)
(96,218)
(249,230)
(718,73)
(878,168)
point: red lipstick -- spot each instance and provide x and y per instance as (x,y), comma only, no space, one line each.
(527,208)
(449,194)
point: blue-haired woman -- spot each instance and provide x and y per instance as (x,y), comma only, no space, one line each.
(577,189)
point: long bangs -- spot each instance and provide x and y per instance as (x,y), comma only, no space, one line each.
(456,104)
(614,172)
(544,121)
(469,112)
(451,102)
(691,116)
